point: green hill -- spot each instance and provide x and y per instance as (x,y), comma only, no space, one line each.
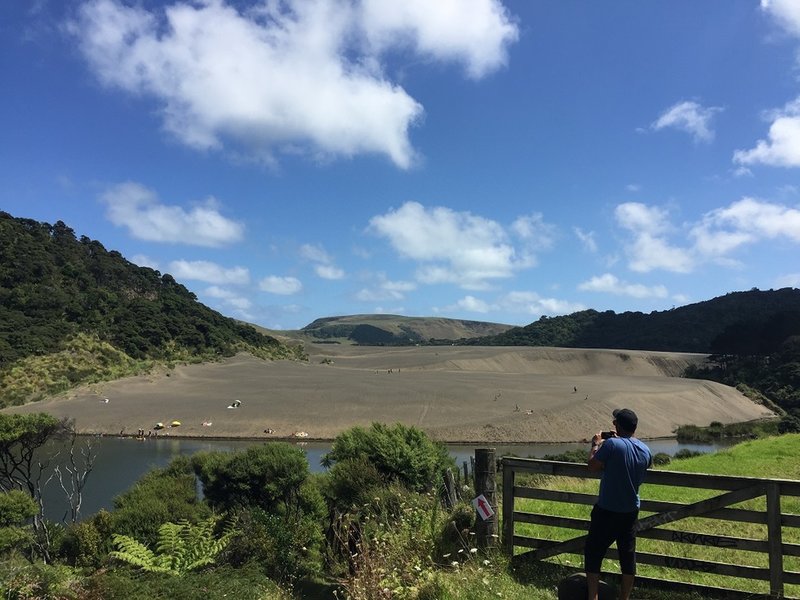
(72,312)
(391,330)
(692,328)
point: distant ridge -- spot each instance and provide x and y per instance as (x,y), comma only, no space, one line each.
(390,330)
(699,327)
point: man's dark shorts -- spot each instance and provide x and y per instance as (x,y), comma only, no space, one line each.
(607,527)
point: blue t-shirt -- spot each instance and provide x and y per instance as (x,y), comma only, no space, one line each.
(625,461)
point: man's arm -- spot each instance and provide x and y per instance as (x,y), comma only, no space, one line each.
(594,464)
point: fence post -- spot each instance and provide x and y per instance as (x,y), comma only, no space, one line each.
(486,484)
(508,509)
(774,540)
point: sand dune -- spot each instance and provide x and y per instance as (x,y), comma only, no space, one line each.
(455,393)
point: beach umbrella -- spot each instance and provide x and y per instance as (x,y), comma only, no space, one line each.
(159,426)
(176,423)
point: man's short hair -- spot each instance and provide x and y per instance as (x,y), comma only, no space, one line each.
(626,419)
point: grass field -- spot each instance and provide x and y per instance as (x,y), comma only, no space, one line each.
(770,458)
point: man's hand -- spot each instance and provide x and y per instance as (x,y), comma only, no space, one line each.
(597,439)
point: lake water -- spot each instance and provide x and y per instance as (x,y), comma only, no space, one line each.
(121,462)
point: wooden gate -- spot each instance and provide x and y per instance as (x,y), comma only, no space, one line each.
(735,490)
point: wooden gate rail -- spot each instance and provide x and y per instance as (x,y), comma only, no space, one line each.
(736,489)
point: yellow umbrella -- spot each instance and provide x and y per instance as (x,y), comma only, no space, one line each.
(176,423)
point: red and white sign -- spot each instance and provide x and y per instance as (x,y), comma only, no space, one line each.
(483,507)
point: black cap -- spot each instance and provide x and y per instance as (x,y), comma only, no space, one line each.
(626,419)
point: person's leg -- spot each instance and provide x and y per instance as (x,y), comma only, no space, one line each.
(626,589)
(626,546)
(592,585)
(598,540)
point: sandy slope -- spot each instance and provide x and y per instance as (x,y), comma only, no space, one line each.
(466,394)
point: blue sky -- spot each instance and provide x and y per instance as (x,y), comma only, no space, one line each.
(496,161)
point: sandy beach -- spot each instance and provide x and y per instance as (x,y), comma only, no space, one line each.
(454,393)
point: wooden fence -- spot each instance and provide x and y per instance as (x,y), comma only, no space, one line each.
(734,490)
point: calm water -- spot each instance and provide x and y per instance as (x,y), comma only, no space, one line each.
(122,461)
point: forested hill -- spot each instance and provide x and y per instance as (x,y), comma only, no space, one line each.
(64,297)
(745,318)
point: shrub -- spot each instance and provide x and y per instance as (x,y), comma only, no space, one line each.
(15,508)
(269,476)
(686,453)
(161,496)
(351,483)
(399,453)
(661,458)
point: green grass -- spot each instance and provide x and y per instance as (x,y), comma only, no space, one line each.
(771,457)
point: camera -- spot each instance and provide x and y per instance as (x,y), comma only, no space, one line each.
(608,434)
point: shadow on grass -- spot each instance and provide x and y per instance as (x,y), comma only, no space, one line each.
(315,590)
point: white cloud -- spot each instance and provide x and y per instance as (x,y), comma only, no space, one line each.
(324,267)
(743,222)
(451,247)
(782,149)
(691,117)
(473,304)
(229,298)
(137,208)
(786,12)
(473,32)
(649,248)
(633,187)
(201,270)
(144,261)
(284,286)
(386,290)
(531,303)
(610,284)
(292,75)
(532,228)
(328,272)
(587,239)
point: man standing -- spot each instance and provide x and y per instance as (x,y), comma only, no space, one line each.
(623,459)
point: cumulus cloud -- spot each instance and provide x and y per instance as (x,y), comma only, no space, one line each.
(144,261)
(284,286)
(788,280)
(610,284)
(786,12)
(209,272)
(137,208)
(649,248)
(745,221)
(689,116)
(452,247)
(516,302)
(230,299)
(296,74)
(472,32)
(386,289)
(324,266)
(782,148)
(714,237)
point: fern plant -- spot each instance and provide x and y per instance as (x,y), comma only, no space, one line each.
(181,547)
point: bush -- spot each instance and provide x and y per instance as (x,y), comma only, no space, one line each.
(269,476)
(399,453)
(686,453)
(16,507)
(161,496)
(351,483)
(661,458)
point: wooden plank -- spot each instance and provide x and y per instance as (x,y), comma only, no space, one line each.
(775,540)
(486,484)
(508,511)
(703,506)
(789,487)
(689,510)
(666,535)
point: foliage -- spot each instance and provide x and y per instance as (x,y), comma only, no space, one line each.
(15,508)
(400,453)
(268,475)
(351,483)
(661,458)
(162,495)
(57,290)
(39,581)
(87,543)
(181,547)
(691,328)
(718,431)
(240,584)
(284,547)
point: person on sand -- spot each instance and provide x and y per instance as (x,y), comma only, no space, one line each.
(623,460)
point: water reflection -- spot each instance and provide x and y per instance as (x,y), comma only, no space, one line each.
(121,462)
